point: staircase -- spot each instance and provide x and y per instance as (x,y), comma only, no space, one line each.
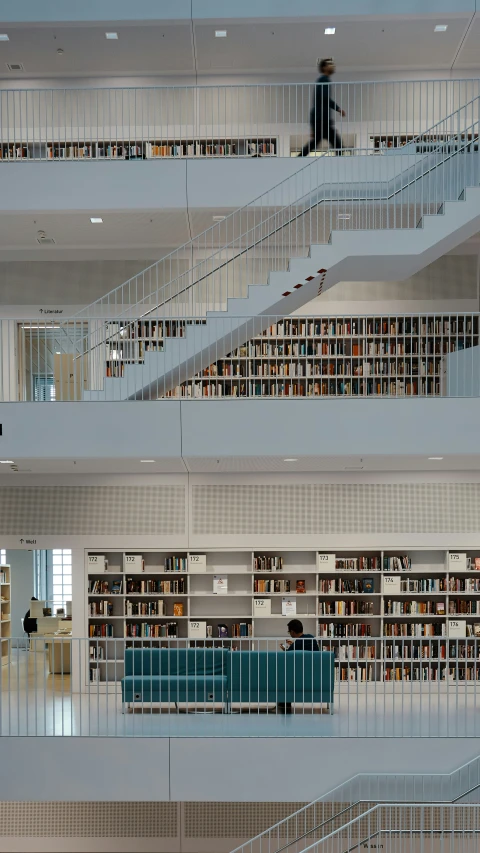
(336,219)
(357,796)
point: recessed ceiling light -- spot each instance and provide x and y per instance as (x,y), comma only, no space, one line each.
(147,460)
(291,459)
(7,462)
(4,37)
(219,218)
(441,28)
(57,352)
(220,34)
(111,36)
(329,31)
(95,220)
(435,458)
(344,216)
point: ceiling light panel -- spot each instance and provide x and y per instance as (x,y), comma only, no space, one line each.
(111,36)
(96,220)
(220,34)
(329,31)
(4,37)
(441,28)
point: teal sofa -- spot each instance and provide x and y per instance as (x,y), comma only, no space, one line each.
(299,677)
(193,676)
(203,676)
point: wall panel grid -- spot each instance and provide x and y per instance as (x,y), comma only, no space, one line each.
(89,510)
(335,508)
(89,820)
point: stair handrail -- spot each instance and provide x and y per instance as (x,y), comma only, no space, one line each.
(184,247)
(125,321)
(335,794)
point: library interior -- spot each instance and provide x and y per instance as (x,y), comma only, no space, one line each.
(240,552)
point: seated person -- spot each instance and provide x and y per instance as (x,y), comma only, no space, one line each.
(302,643)
(29,624)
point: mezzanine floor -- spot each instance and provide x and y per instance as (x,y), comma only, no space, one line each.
(34,702)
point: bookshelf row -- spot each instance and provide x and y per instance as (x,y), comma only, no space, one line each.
(415,613)
(139,149)
(340,356)
(5,613)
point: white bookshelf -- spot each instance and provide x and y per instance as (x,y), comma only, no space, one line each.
(375,355)
(388,616)
(140,149)
(5,612)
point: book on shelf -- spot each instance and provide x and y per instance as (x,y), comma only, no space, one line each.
(266,585)
(150,631)
(105,630)
(145,608)
(220,585)
(176,564)
(97,652)
(339,629)
(289,607)
(222,631)
(178,608)
(300,587)
(101,608)
(241,629)
(116,587)
(94,674)
(397,564)
(268,564)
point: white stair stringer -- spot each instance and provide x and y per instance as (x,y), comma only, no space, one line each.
(371,255)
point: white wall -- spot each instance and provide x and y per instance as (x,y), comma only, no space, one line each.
(210,769)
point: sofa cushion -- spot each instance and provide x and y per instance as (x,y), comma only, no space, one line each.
(168,662)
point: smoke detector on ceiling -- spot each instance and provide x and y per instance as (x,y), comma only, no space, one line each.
(15,66)
(43,240)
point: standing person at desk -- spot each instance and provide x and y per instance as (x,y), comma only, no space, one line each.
(321,124)
(300,643)
(30,624)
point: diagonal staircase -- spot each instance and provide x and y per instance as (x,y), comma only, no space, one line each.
(337,218)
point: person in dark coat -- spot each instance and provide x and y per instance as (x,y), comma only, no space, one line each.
(30,624)
(321,124)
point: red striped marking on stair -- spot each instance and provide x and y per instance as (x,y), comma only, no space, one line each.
(320,271)
(287,293)
(296,286)
(310,278)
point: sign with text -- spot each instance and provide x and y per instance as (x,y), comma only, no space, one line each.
(262,607)
(197,630)
(326,562)
(391,584)
(97,563)
(197,564)
(133,563)
(457,628)
(457,562)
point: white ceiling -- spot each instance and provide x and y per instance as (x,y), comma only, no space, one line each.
(239,465)
(252,47)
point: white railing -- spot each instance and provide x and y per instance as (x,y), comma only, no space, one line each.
(357,796)
(92,124)
(150,679)
(405,828)
(295,357)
